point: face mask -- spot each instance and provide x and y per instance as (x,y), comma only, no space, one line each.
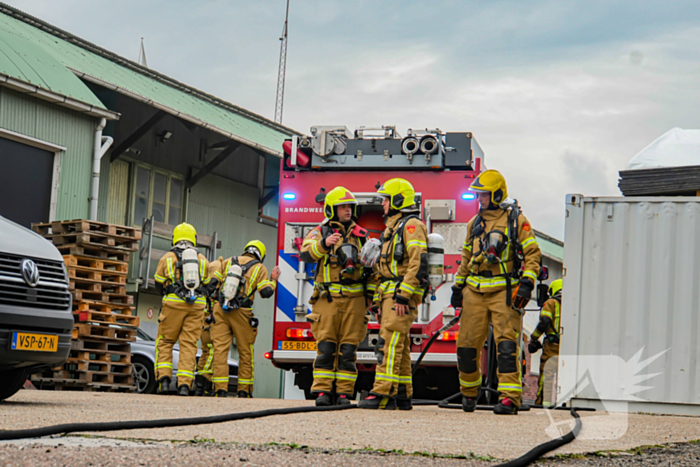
(493,245)
(348,257)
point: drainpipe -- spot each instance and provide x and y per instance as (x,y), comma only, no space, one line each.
(101,145)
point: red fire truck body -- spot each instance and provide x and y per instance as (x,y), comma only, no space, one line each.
(446,207)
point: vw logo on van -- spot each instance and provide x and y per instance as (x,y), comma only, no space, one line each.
(30,272)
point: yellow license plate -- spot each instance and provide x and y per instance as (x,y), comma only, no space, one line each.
(293,345)
(37,342)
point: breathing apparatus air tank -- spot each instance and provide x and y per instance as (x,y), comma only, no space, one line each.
(231,283)
(190,273)
(436,262)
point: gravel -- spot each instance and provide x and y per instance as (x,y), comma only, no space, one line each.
(424,430)
(187,455)
(676,455)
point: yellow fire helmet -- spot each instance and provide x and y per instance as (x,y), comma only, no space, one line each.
(400,192)
(336,197)
(555,287)
(256,248)
(491,181)
(185,231)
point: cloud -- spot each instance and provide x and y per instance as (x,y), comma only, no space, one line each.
(560,95)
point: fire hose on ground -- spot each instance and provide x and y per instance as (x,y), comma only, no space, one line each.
(524,460)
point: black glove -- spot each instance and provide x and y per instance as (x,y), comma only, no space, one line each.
(210,318)
(456,298)
(401,300)
(522,293)
(534,346)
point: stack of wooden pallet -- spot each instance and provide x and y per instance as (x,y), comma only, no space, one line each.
(96,256)
(662,181)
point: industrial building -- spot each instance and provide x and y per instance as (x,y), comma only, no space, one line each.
(85,133)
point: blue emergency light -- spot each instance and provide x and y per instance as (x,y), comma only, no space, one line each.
(289,196)
(468,196)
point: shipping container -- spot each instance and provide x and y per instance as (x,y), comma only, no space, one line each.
(630,305)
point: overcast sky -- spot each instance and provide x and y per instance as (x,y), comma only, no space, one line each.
(560,95)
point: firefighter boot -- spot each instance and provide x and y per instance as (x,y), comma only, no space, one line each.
(164,385)
(343,400)
(183,390)
(221,393)
(323,400)
(505,407)
(468,404)
(375,402)
(244,395)
(199,382)
(403,402)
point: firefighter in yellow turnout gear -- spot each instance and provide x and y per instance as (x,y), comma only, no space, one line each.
(205,366)
(339,304)
(241,277)
(549,325)
(500,264)
(402,274)
(182,278)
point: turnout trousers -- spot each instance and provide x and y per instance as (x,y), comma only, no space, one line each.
(176,324)
(549,363)
(338,326)
(394,350)
(205,367)
(236,324)
(478,310)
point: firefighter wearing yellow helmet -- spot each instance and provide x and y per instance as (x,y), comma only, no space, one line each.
(338,302)
(240,277)
(549,325)
(183,279)
(402,274)
(500,264)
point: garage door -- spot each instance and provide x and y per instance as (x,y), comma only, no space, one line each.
(25,182)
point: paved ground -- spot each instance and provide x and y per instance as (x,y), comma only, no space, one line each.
(326,438)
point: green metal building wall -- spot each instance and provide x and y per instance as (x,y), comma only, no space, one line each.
(48,122)
(231,210)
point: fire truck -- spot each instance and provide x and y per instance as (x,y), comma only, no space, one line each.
(441,166)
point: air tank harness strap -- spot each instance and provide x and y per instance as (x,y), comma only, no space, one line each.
(327,288)
(177,288)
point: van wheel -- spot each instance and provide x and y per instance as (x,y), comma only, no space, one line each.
(12,381)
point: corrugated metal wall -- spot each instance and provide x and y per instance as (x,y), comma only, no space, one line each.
(33,117)
(633,284)
(231,210)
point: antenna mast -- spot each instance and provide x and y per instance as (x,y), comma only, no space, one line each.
(281,72)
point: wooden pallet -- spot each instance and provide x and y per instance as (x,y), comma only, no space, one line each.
(95,240)
(58,384)
(100,356)
(95,252)
(101,264)
(99,275)
(116,299)
(103,307)
(77,365)
(103,332)
(92,285)
(77,376)
(99,318)
(81,225)
(89,345)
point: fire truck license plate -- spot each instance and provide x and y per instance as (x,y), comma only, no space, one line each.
(36,342)
(292,345)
